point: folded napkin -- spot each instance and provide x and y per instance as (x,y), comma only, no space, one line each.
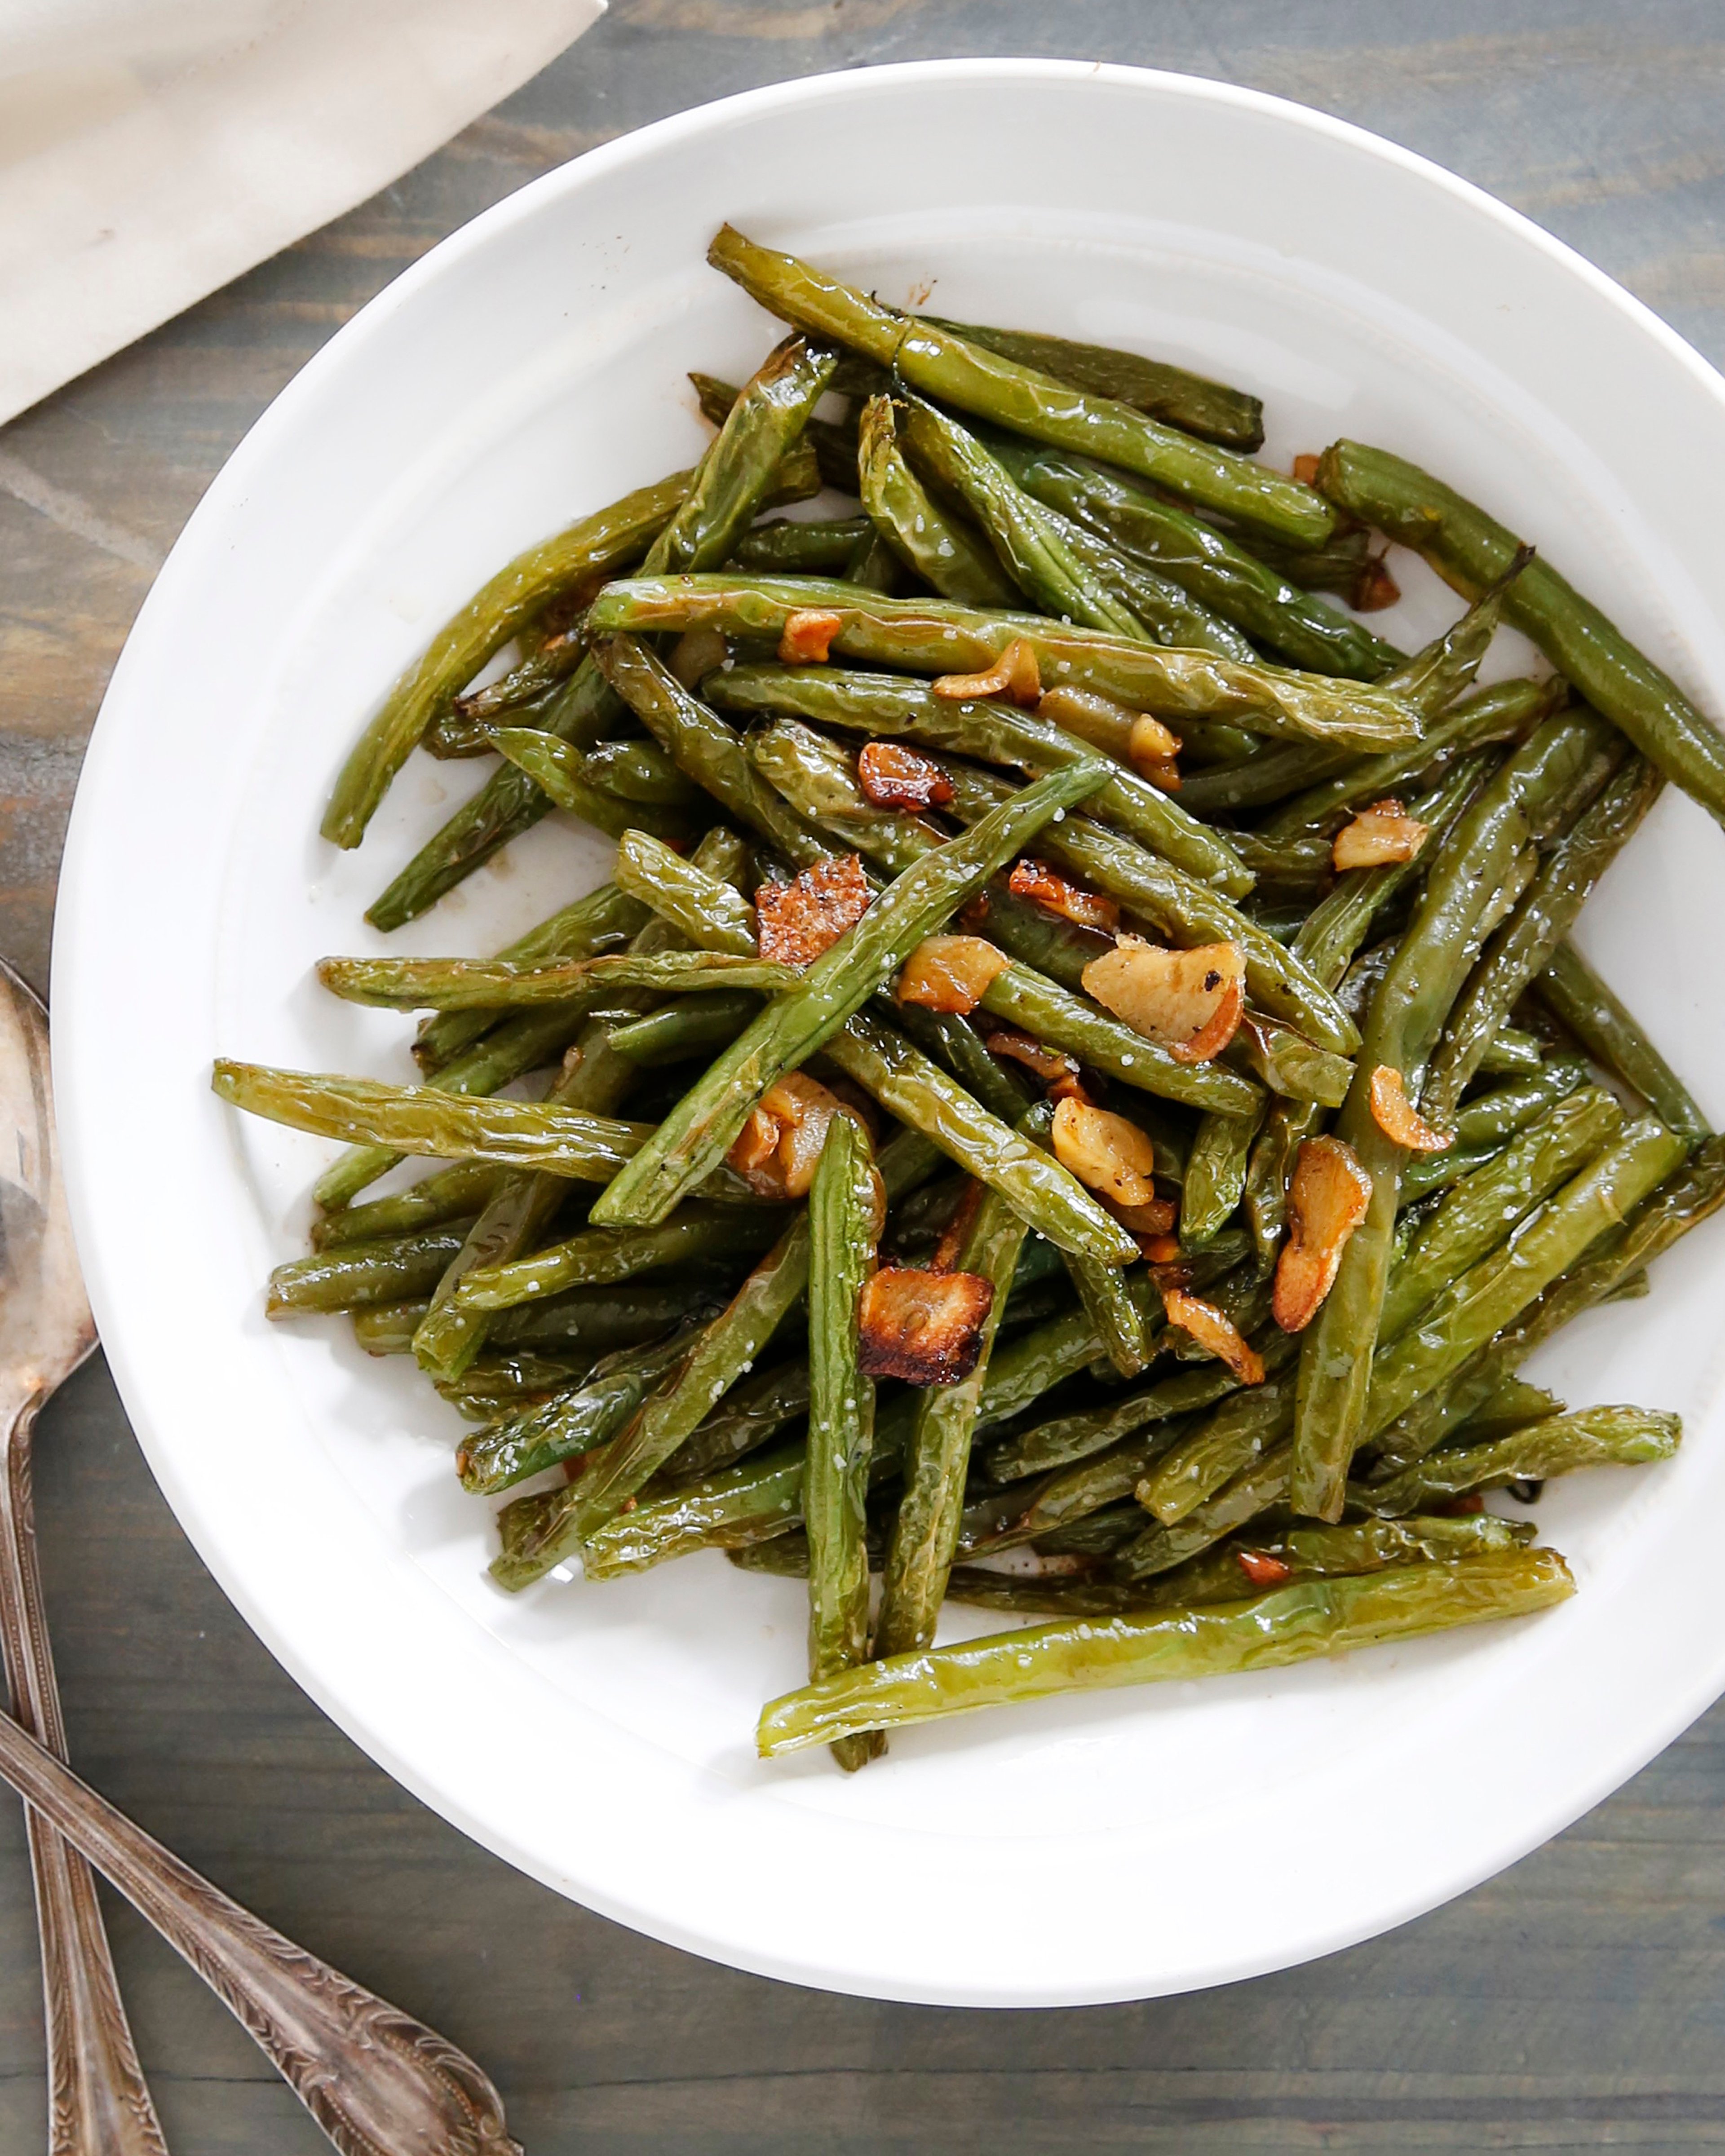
(152,150)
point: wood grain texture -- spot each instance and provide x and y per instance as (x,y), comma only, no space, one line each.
(1577,2003)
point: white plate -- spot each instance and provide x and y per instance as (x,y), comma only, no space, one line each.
(532,367)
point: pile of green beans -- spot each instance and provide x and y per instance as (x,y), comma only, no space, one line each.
(1050,669)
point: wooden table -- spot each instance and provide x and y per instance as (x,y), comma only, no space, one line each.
(1575,2003)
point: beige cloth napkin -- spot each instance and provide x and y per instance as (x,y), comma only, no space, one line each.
(152,150)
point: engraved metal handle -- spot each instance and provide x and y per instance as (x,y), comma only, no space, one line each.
(378,2082)
(99,2104)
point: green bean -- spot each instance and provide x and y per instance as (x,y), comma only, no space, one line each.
(935,636)
(1435,675)
(817,778)
(1032,1363)
(1007,1519)
(1308,1553)
(1291,1623)
(786,1557)
(699,1132)
(1068,572)
(1281,917)
(574,1420)
(1096,1535)
(1511,1052)
(1295,845)
(1491,1117)
(449,1338)
(1041,1007)
(587,709)
(728,1347)
(1041,942)
(1158,1549)
(1240,1430)
(941,547)
(526,1042)
(1223,577)
(707,1371)
(752,1415)
(1525,945)
(1047,1196)
(1406,1013)
(874,568)
(1216,1173)
(939,365)
(415,1119)
(389,1270)
(1692,1193)
(841,1412)
(767,421)
(594,1321)
(1489,715)
(388,1328)
(490,984)
(730,1511)
(1242,1295)
(905,1081)
(593,1080)
(899,707)
(1182,909)
(1190,402)
(1512,1407)
(599,1254)
(497,1386)
(783,548)
(1354,1548)
(509,802)
(1468,549)
(465,730)
(1278,769)
(1332,933)
(558,769)
(1103,1290)
(1344,565)
(832,443)
(603,920)
(1612,1036)
(1288,1063)
(1493,1292)
(452,1194)
(1478,1212)
(763,1497)
(955,1044)
(1365,976)
(1557,1445)
(1427,1173)
(1269,1168)
(925,1531)
(1323,780)
(693,1025)
(888,1068)
(1067,1438)
(713,916)
(597,544)
(1028,1595)
(704,747)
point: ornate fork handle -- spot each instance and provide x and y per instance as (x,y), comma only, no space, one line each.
(378,2082)
(99,2102)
